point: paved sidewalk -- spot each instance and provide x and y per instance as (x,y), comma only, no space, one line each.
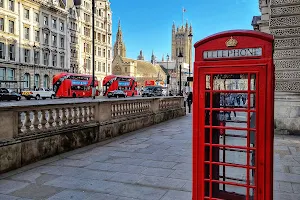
(149,164)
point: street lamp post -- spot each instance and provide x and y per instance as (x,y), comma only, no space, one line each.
(34,57)
(168,76)
(93,49)
(190,37)
(180,57)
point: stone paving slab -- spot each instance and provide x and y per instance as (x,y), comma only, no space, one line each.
(154,163)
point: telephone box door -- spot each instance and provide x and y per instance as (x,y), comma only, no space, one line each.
(232,100)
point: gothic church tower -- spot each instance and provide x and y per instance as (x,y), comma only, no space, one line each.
(181,42)
(119,46)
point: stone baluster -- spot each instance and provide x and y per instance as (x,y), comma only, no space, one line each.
(43,119)
(76,115)
(20,123)
(51,118)
(36,121)
(27,122)
(87,113)
(92,113)
(81,114)
(63,116)
(57,117)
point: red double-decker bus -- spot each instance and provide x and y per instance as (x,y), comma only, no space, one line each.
(73,85)
(126,83)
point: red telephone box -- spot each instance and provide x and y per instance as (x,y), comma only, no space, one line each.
(233,126)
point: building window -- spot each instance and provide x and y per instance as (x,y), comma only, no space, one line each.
(61,26)
(102,25)
(11,5)
(103,53)
(108,27)
(99,51)
(54,60)
(109,40)
(99,36)
(26,55)
(10,74)
(36,57)
(62,42)
(108,68)
(87,17)
(54,40)
(1,24)
(26,80)
(2,50)
(54,23)
(26,33)
(11,26)
(108,53)
(62,61)
(87,32)
(37,17)
(11,52)
(103,67)
(103,38)
(37,35)
(46,20)
(99,66)
(26,13)
(46,81)
(2,73)
(46,58)
(37,80)
(46,38)
(1,3)
(125,69)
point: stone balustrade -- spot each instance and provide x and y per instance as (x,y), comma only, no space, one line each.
(39,130)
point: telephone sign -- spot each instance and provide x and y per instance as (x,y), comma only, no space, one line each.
(233,117)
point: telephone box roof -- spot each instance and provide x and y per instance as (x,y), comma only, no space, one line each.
(251,33)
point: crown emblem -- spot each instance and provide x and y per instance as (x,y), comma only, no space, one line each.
(231,42)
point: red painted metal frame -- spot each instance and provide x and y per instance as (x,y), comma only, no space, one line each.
(264,69)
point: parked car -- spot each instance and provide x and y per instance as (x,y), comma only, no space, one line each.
(8,94)
(39,93)
(116,93)
(151,91)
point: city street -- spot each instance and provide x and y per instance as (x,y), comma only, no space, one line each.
(154,163)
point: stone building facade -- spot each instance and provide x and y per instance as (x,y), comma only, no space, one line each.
(282,19)
(103,40)
(33,44)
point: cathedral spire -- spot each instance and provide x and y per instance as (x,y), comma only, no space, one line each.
(119,46)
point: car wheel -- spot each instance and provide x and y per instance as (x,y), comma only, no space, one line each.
(37,97)
(18,98)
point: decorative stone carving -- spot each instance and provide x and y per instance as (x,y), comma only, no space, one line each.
(287,64)
(290,86)
(287,43)
(285,21)
(284,54)
(285,32)
(283,2)
(285,10)
(287,75)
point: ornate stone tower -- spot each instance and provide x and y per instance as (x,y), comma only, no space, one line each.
(119,46)
(141,56)
(181,42)
(153,58)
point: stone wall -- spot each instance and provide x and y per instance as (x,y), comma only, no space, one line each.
(34,132)
(284,24)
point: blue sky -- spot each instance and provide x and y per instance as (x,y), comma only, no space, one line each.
(147,24)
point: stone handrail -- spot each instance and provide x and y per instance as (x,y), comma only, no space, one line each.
(42,117)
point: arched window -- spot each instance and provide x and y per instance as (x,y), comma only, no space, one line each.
(46,81)
(26,80)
